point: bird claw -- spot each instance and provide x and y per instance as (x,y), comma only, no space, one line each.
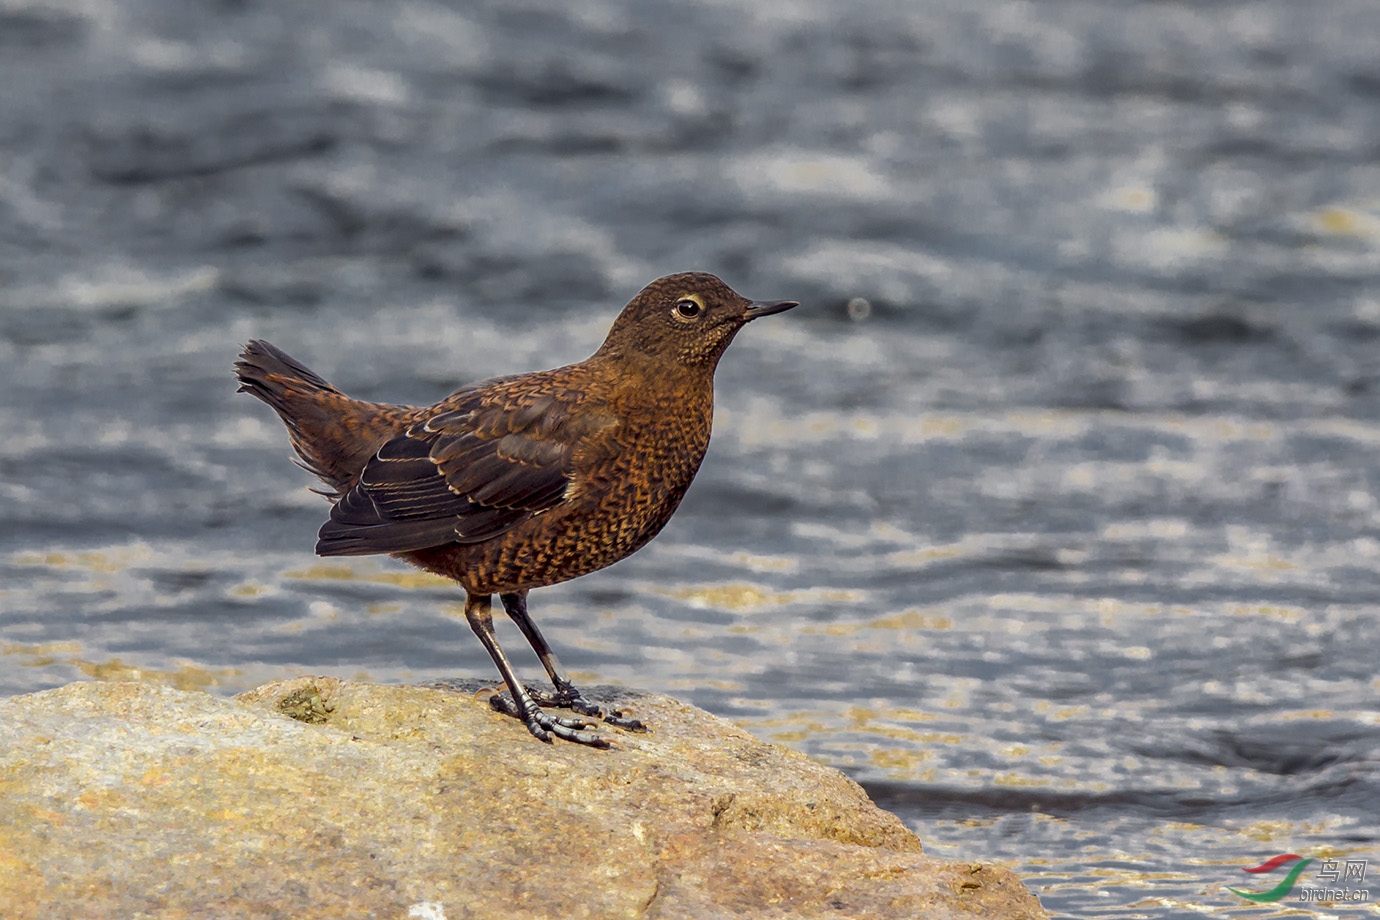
(569,698)
(543,726)
(619,719)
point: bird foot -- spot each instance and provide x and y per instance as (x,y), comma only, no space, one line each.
(568,697)
(543,726)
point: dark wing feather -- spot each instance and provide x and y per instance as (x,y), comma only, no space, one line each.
(498,454)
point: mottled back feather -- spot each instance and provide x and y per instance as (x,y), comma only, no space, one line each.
(488,458)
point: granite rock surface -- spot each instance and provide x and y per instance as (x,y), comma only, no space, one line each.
(325,798)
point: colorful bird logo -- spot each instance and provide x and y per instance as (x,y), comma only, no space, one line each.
(1283,888)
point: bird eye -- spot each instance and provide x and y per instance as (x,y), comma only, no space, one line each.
(687,309)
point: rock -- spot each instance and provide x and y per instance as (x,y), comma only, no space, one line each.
(325,798)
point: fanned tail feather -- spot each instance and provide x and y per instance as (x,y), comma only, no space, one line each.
(333,434)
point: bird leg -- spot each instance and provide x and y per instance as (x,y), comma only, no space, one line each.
(478,610)
(566,695)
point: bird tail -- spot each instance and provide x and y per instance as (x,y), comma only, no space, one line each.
(333,434)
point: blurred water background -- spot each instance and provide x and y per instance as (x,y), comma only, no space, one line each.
(1052,516)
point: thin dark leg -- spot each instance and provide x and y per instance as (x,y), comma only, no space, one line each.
(478,611)
(516,607)
(566,695)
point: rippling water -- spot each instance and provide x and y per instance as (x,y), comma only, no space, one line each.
(1052,516)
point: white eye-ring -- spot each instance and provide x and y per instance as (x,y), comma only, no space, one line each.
(688,309)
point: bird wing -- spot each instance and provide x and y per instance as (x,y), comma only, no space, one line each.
(490,457)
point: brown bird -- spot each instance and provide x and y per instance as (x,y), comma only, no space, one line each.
(519,482)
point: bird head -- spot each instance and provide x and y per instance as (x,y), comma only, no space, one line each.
(687,319)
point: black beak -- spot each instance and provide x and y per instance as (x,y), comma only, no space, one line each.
(759,308)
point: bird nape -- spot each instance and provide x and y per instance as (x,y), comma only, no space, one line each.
(525,481)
